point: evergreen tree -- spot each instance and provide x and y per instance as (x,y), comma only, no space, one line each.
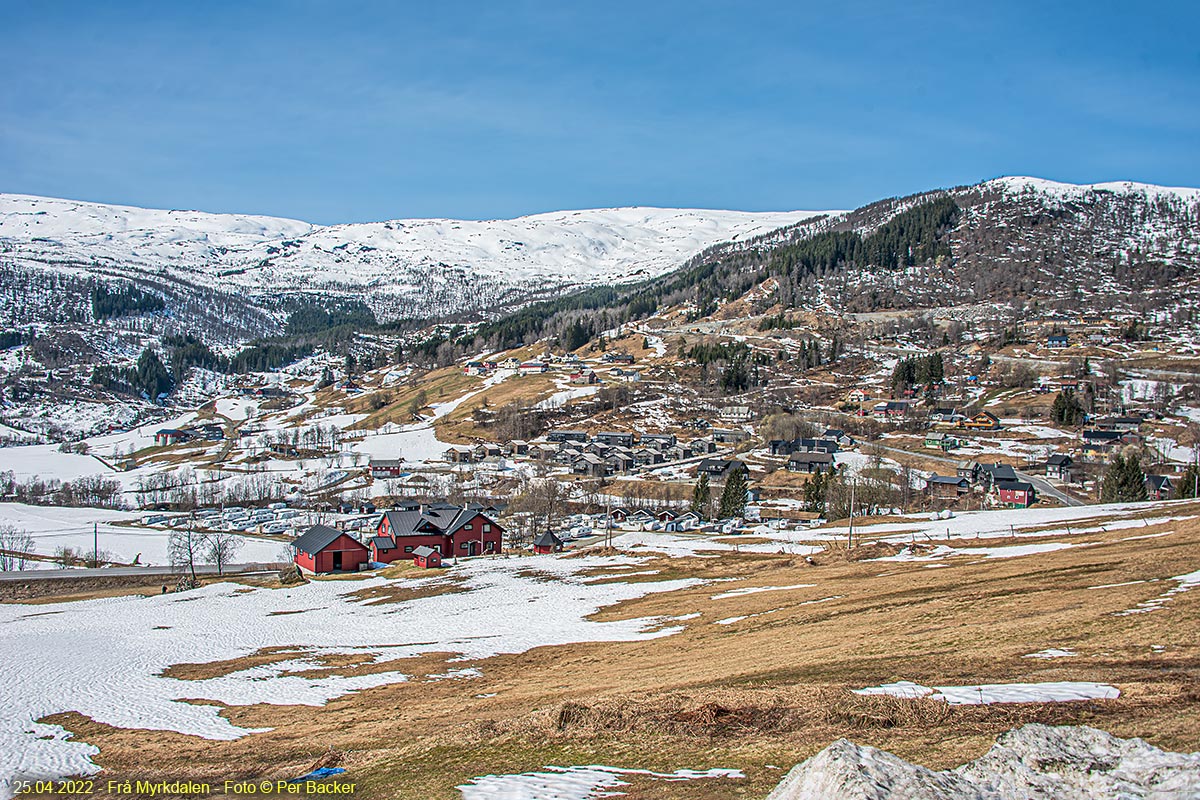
(150,376)
(1124,481)
(1067,409)
(701,496)
(815,492)
(733,497)
(1188,482)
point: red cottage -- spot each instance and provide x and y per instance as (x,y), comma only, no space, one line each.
(448,529)
(427,557)
(324,549)
(547,543)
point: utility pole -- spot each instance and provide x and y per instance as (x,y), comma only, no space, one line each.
(850,536)
(95,545)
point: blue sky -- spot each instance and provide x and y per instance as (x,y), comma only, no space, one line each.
(345,111)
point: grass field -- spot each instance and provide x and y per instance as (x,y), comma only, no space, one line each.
(758,681)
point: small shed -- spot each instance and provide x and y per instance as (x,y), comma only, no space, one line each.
(547,543)
(427,558)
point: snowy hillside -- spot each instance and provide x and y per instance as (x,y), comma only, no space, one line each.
(452,265)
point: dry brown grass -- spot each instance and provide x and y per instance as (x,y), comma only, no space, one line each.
(770,689)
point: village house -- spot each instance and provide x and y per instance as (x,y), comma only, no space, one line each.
(385,467)
(947,487)
(736,414)
(967,469)
(446,528)
(1119,424)
(458,454)
(322,549)
(475,368)
(719,468)
(941,441)
(1095,443)
(784,447)
(591,465)
(567,436)
(658,440)
(701,446)
(619,462)
(810,462)
(533,368)
(1159,487)
(614,438)
(1058,341)
(858,396)
(838,437)
(517,447)
(729,435)
(584,378)
(982,421)
(1015,494)
(617,357)
(1060,466)
(890,409)
(991,474)
(169,436)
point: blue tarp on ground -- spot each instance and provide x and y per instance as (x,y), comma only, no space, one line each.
(318,774)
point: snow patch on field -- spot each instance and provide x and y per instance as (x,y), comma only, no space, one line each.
(986,694)
(105,658)
(1186,582)
(756,589)
(574,783)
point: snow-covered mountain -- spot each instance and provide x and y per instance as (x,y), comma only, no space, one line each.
(438,265)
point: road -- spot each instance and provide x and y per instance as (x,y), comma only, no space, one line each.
(131,572)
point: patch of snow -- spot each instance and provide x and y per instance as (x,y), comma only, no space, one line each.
(986,694)
(574,783)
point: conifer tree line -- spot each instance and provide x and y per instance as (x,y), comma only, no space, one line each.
(916,370)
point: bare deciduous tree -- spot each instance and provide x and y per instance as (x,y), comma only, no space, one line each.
(15,548)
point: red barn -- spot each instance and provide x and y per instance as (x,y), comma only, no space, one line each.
(448,529)
(427,557)
(324,549)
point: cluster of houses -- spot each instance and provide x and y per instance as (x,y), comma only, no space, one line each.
(424,533)
(811,455)
(595,455)
(207,432)
(996,480)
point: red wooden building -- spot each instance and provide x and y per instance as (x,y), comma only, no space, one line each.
(448,529)
(324,549)
(547,543)
(426,557)
(1016,494)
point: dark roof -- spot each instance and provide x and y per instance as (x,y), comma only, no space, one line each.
(547,539)
(950,479)
(382,542)
(424,551)
(442,516)
(815,457)
(999,472)
(1059,460)
(1158,482)
(1102,436)
(1015,486)
(317,538)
